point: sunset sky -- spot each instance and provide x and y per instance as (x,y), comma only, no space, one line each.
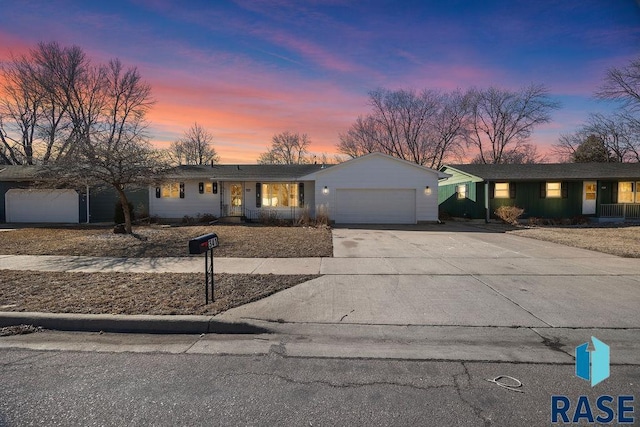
(248,69)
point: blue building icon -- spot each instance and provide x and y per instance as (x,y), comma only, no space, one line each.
(593,365)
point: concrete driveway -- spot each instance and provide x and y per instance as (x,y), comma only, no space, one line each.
(458,275)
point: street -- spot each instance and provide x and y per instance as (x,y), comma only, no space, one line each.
(154,382)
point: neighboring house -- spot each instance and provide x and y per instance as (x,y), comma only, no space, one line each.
(604,191)
(375,188)
(22,201)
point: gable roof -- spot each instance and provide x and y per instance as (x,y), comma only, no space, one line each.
(366,157)
(221,172)
(549,171)
(245,172)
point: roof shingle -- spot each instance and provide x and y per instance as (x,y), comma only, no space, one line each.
(551,171)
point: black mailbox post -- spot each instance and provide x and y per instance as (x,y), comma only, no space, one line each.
(205,244)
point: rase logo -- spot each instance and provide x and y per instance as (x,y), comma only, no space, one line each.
(593,365)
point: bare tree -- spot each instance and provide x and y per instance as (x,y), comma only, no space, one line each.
(623,84)
(402,118)
(501,121)
(108,112)
(425,128)
(360,139)
(35,124)
(287,148)
(619,140)
(448,127)
(617,135)
(19,113)
(195,147)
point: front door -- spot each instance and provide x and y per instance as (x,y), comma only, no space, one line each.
(589,191)
(235,204)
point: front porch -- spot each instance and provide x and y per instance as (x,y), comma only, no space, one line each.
(615,212)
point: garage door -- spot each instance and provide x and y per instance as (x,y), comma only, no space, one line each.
(42,206)
(375,206)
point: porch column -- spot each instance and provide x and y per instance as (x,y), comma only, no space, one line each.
(486,201)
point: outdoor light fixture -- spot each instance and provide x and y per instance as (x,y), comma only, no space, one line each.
(325,190)
(427,190)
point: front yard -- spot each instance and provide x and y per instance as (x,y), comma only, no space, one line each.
(153,293)
(246,241)
(128,293)
(622,240)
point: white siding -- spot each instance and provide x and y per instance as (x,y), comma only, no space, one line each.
(193,203)
(379,172)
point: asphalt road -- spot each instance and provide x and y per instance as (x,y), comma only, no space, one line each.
(114,389)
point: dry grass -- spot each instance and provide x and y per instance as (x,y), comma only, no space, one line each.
(253,241)
(621,240)
(125,293)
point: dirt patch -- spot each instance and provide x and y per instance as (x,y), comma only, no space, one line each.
(126,293)
(252,241)
(621,240)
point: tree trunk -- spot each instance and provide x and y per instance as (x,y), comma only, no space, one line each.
(125,209)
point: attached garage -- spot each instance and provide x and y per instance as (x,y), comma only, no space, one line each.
(375,206)
(377,189)
(42,205)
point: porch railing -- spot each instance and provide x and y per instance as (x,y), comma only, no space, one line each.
(620,210)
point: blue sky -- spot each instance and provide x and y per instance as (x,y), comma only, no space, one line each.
(249,69)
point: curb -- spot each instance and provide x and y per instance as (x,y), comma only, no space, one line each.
(119,323)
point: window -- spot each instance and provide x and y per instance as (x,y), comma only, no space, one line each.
(501,190)
(461,190)
(208,187)
(278,195)
(590,191)
(554,190)
(170,190)
(625,192)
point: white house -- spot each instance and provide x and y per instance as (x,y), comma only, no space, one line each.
(374,188)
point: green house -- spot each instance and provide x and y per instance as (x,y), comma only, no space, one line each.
(602,191)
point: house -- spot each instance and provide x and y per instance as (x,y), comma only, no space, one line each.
(603,191)
(374,188)
(24,201)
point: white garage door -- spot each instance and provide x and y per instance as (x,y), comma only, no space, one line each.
(375,206)
(42,206)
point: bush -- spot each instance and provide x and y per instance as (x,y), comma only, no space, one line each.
(118,213)
(206,217)
(509,214)
(304,219)
(322,215)
(269,217)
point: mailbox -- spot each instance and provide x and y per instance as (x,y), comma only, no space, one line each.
(202,244)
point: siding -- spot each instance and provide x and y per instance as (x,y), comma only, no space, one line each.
(470,207)
(102,203)
(528,198)
(4,187)
(193,203)
(372,172)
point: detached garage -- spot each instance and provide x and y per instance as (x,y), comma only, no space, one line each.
(42,205)
(377,189)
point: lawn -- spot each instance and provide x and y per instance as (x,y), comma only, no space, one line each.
(133,293)
(166,293)
(616,239)
(252,241)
